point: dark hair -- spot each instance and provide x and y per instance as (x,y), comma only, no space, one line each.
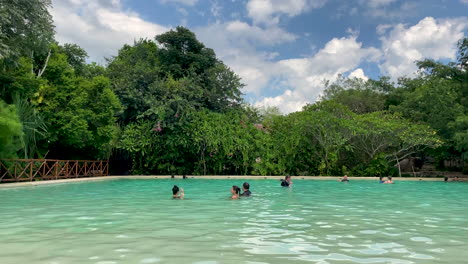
(236,189)
(381,177)
(287,177)
(390,177)
(175,190)
(246,185)
(184,176)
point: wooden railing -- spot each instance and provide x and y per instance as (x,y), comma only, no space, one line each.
(15,170)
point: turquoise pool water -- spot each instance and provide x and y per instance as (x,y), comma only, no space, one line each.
(136,221)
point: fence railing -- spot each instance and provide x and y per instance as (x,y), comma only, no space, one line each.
(15,170)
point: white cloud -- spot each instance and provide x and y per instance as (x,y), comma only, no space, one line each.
(306,76)
(236,44)
(100,27)
(184,2)
(269,11)
(290,101)
(464,1)
(358,73)
(430,38)
(258,36)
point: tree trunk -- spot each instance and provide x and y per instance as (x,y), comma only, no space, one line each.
(39,74)
(398,163)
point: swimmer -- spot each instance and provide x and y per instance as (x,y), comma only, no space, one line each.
(389,180)
(345,179)
(381,180)
(245,188)
(235,191)
(287,181)
(177,193)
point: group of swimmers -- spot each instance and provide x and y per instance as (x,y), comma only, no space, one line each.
(381,180)
(178,193)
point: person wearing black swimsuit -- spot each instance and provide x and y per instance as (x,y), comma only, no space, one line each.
(245,188)
(286,182)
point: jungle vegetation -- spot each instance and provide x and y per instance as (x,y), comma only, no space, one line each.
(168,105)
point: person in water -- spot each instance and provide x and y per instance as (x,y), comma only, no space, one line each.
(389,180)
(287,181)
(245,189)
(381,179)
(345,179)
(177,193)
(235,192)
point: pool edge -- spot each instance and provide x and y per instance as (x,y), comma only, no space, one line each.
(216,177)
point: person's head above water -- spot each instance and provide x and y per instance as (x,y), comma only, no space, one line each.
(235,189)
(246,186)
(175,190)
(287,177)
(381,178)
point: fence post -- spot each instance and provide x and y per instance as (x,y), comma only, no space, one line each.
(56,169)
(31,169)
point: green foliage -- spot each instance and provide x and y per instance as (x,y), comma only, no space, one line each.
(10,131)
(26,29)
(33,127)
(181,54)
(358,95)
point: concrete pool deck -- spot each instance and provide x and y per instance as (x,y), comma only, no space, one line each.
(216,177)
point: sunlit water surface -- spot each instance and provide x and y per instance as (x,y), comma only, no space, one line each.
(136,221)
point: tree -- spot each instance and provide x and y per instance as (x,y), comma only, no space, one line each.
(358,95)
(76,57)
(389,136)
(133,73)
(26,29)
(79,112)
(181,54)
(330,126)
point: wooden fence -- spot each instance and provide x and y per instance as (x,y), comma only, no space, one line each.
(15,170)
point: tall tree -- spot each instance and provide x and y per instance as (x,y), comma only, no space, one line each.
(26,29)
(182,54)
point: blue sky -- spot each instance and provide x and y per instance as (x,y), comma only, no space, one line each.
(282,50)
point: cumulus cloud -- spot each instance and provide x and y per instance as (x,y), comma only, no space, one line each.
(358,73)
(269,11)
(430,38)
(100,27)
(236,43)
(306,76)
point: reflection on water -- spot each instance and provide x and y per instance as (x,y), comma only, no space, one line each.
(135,221)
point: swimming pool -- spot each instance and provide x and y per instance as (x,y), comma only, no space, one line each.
(136,221)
